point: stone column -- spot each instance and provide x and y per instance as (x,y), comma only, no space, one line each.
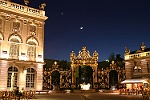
(95,74)
(72,74)
(3,75)
(128,67)
(39,79)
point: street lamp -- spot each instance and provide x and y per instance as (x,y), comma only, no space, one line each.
(25,71)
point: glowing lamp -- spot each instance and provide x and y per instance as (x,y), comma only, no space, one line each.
(85,86)
(25,71)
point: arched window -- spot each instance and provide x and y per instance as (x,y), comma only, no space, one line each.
(137,69)
(31,52)
(14,40)
(31,49)
(10,71)
(14,51)
(30,78)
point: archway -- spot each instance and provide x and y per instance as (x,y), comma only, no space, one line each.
(113,78)
(55,78)
(30,78)
(83,61)
(84,75)
(12,83)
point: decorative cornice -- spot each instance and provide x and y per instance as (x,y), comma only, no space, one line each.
(140,53)
(137,55)
(84,57)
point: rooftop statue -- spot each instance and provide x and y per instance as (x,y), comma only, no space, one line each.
(42,6)
(143,46)
(127,51)
(26,2)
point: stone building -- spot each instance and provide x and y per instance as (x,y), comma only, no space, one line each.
(137,66)
(21,45)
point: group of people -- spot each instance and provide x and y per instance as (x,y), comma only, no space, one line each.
(18,93)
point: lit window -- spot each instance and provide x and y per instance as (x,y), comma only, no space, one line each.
(14,51)
(137,69)
(31,52)
(10,71)
(31,49)
(30,78)
(14,40)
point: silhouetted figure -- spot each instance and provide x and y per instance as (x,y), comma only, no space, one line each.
(17,93)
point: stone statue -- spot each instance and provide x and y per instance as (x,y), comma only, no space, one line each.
(95,55)
(143,46)
(42,6)
(113,65)
(72,56)
(26,2)
(16,26)
(127,51)
(12,81)
(33,29)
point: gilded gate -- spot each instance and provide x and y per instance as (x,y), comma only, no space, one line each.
(68,77)
(104,75)
(65,77)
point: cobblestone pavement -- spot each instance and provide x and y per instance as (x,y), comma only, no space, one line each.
(86,96)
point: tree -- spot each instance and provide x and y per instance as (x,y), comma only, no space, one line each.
(64,64)
(103,64)
(111,57)
(119,60)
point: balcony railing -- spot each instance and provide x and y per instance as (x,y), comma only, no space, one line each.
(21,8)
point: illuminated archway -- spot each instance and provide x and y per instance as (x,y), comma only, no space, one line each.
(30,78)
(11,70)
(14,39)
(32,41)
(110,76)
(84,76)
(84,59)
(55,77)
(113,78)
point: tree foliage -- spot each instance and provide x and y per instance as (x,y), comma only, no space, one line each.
(117,59)
(111,57)
(64,64)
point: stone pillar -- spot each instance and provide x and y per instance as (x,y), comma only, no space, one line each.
(22,78)
(39,79)
(95,74)
(3,75)
(128,68)
(143,66)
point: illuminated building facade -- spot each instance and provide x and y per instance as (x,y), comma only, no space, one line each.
(137,66)
(21,45)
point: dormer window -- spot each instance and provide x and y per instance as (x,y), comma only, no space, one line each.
(137,69)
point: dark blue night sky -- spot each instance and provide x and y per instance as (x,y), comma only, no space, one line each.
(108,26)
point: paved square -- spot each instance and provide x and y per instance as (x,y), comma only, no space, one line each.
(87,96)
